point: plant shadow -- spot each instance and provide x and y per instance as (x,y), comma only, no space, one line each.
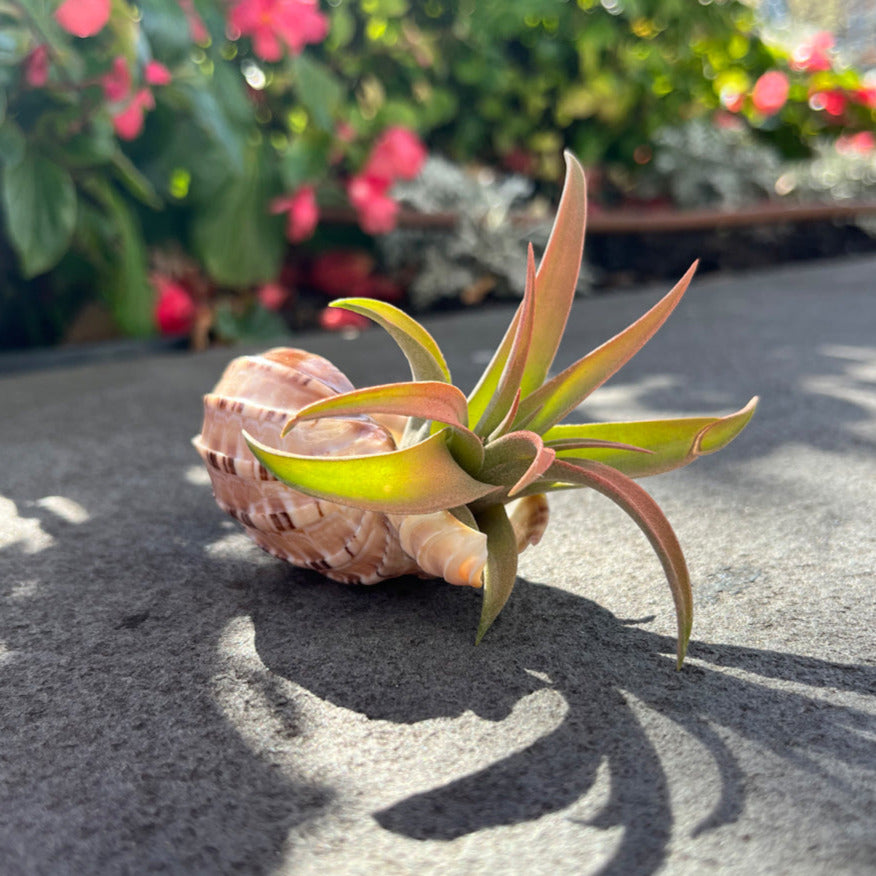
(402,652)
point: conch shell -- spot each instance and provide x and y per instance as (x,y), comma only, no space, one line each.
(259,394)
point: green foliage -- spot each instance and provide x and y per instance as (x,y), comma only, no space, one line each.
(196,159)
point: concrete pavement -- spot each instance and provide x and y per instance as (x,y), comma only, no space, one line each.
(174,700)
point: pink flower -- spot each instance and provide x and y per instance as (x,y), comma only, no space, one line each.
(865,96)
(129,122)
(770,92)
(156,73)
(733,101)
(334,319)
(83,18)
(272,296)
(197,29)
(832,102)
(303,213)
(398,154)
(117,82)
(174,310)
(36,67)
(863,143)
(814,56)
(377,211)
(269,23)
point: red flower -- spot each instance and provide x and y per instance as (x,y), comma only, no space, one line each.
(334,319)
(342,272)
(268,22)
(397,154)
(36,67)
(272,296)
(156,73)
(814,56)
(117,82)
(129,122)
(83,18)
(303,213)
(174,310)
(377,210)
(770,92)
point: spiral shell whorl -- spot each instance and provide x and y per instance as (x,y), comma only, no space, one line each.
(259,394)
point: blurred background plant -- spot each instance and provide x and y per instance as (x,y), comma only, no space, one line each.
(216,168)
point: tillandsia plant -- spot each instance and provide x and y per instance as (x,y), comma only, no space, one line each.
(417,477)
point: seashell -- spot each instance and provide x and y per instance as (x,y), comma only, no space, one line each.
(259,394)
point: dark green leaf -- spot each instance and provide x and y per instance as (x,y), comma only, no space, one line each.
(12,142)
(500,573)
(39,202)
(235,235)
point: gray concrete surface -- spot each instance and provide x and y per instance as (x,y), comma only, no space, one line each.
(175,701)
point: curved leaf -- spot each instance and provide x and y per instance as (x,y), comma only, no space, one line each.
(39,202)
(669,444)
(426,399)
(416,480)
(555,285)
(500,572)
(516,460)
(568,389)
(647,513)
(423,354)
(508,391)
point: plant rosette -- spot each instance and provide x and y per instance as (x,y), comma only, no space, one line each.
(415,477)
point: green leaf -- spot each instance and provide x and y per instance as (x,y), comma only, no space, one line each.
(567,390)
(304,161)
(12,143)
(423,354)
(166,27)
(555,285)
(318,90)
(415,480)
(39,202)
(669,443)
(234,234)
(647,514)
(516,460)
(425,399)
(500,572)
(134,181)
(117,247)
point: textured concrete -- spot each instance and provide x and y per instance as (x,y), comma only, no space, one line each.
(173,700)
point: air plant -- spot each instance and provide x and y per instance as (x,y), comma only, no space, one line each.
(417,477)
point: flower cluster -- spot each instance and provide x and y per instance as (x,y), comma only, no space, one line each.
(813,78)
(397,154)
(125,103)
(271,24)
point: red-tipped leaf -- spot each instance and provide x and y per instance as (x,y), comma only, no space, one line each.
(647,513)
(555,285)
(550,403)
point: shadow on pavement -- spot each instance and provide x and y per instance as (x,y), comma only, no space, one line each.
(402,652)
